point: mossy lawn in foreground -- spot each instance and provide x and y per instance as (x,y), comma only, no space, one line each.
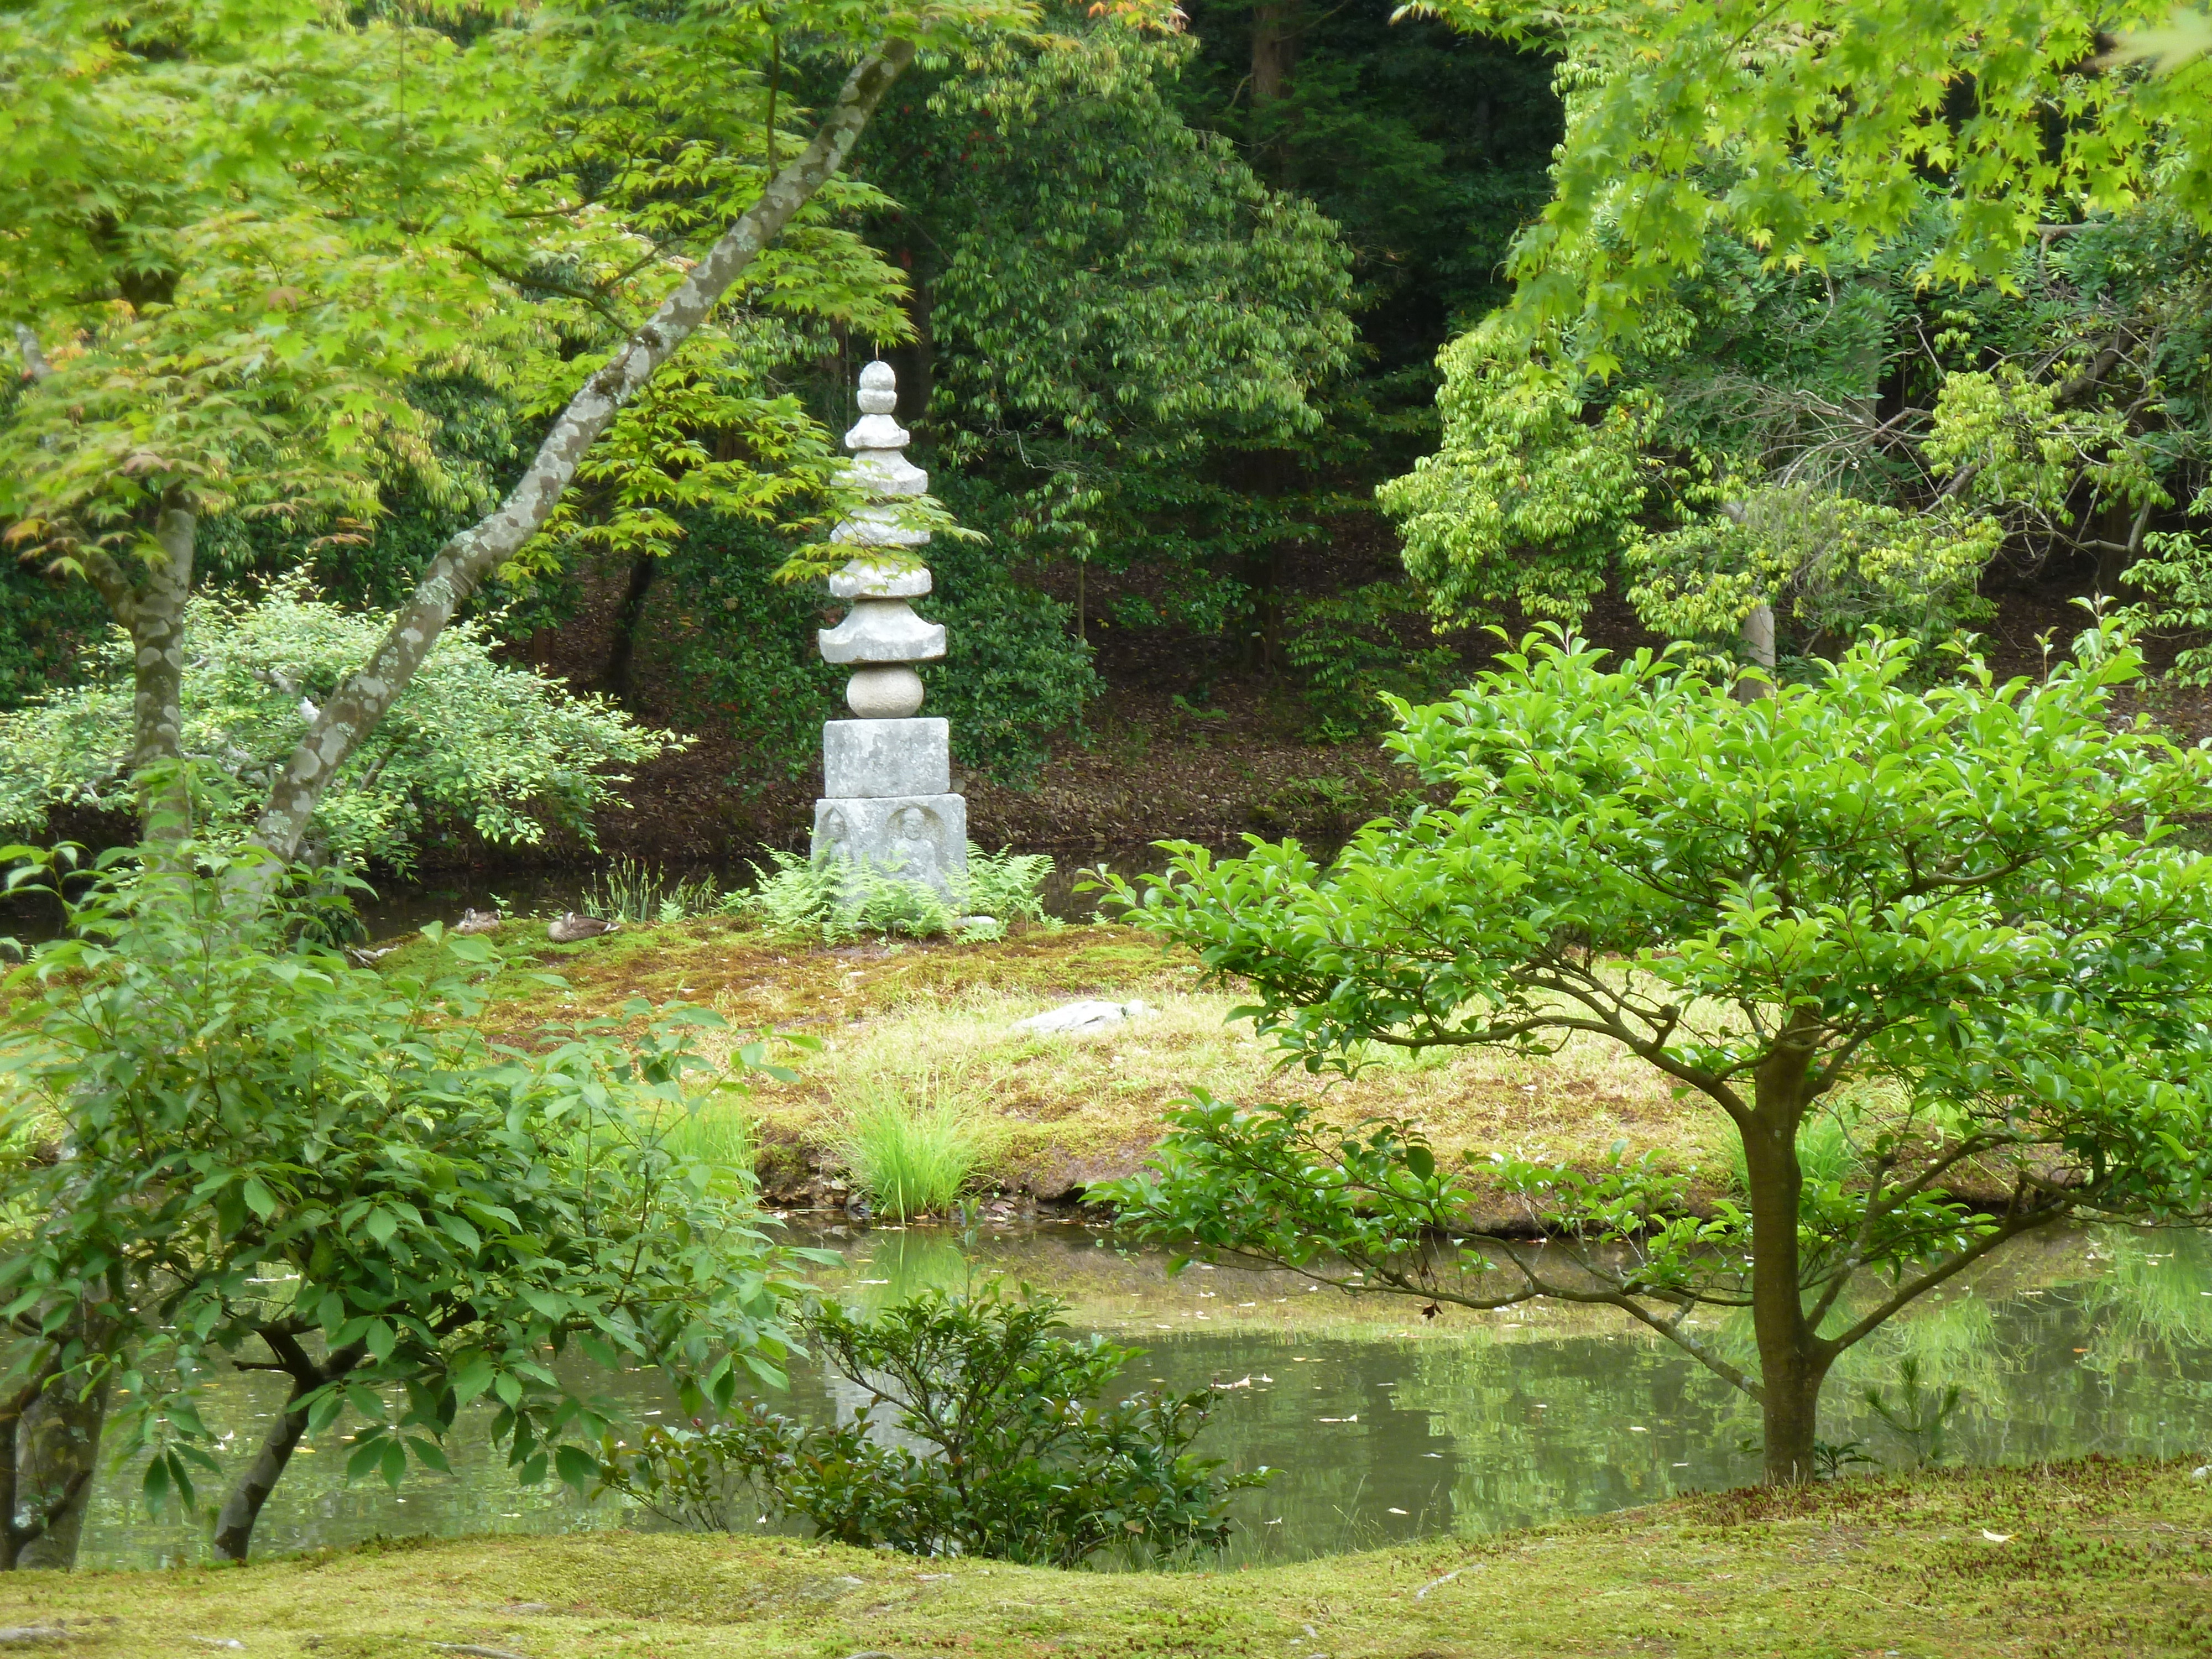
(2081,1558)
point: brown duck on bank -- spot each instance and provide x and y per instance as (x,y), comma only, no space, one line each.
(477,922)
(570,928)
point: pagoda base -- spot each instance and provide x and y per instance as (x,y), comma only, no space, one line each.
(918,837)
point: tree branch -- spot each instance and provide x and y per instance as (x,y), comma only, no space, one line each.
(353,710)
(35,366)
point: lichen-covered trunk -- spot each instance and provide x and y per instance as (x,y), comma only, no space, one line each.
(57,1458)
(1792,1362)
(352,711)
(157,641)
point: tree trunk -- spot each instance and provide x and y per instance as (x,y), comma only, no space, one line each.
(1276,28)
(1758,645)
(242,1506)
(58,1454)
(353,710)
(157,638)
(16,1527)
(622,650)
(1792,1362)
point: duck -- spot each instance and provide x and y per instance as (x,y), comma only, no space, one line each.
(477,922)
(570,928)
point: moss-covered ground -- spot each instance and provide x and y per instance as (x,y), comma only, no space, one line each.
(2087,1559)
(933,1021)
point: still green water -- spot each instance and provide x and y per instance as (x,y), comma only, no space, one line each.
(1385,1428)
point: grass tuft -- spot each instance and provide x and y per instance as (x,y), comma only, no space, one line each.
(629,889)
(912,1157)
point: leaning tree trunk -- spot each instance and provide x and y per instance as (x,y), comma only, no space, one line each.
(241,1508)
(353,710)
(1793,1363)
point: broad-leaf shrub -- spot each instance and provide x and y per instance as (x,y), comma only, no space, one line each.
(270,1151)
(979,1438)
(504,751)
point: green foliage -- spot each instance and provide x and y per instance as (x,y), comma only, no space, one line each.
(1751,121)
(1832,1458)
(1526,503)
(504,751)
(1427,149)
(1346,646)
(630,890)
(1921,1414)
(1013,673)
(997,1452)
(1005,885)
(1829,565)
(1972,895)
(842,899)
(1849,448)
(2177,578)
(912,1157)
(269,1146)
(1113,300)
(1975,328)
(717,1133)
(741,648)
(48,628)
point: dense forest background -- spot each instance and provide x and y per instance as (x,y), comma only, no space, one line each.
(1177,303)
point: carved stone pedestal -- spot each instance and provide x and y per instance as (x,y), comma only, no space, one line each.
(918,837)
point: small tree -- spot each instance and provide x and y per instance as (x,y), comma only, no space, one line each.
(999,1451)
(1956,923)
(278,1162)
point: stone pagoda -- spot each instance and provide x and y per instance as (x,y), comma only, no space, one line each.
(887,796)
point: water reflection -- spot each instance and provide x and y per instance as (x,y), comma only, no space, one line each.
(1385,1428)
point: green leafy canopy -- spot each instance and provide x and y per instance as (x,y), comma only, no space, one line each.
(1958,921)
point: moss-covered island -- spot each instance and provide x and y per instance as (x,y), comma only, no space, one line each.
(931,1021)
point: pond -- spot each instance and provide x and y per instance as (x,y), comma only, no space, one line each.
(1385,1428)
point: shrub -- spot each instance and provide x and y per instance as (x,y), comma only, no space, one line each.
(506,752)
(1966,906)
(282,1160)
(912,1158)
(997,1455)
